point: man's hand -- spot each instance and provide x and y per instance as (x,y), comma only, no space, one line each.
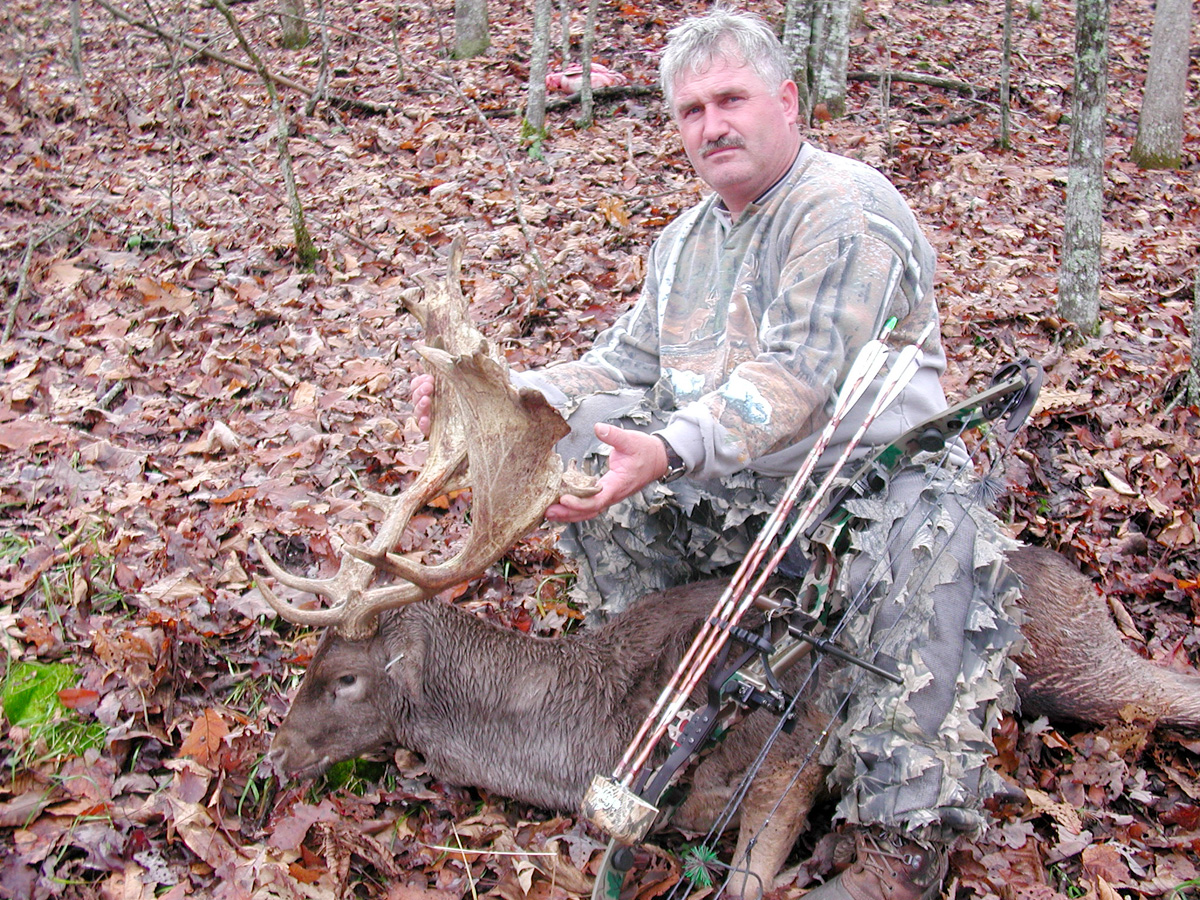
(636,460)
(422,400)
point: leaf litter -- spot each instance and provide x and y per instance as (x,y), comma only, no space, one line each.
(174,388)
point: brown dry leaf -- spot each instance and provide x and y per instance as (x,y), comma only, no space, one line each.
(1124,620)
(1029,892)
(1064,814)
(23,434)
(23,809)
(614,212)
(1099,889)
(289,832)
(548,863)
(32,566)
(416,892)
(130,883)
(62,275)
(134,653)
(204,742)
(1102,861)
(340,840)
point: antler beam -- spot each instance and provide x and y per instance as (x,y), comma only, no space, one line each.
(485,435)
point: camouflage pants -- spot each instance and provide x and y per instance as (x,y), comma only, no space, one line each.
(664,536)
(924,593)
(923,590)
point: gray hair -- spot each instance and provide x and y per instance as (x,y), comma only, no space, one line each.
(696,43)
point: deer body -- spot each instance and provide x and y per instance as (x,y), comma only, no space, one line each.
(536,718)
(1080,668)
(521,716)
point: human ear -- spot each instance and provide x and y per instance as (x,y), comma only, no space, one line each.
(789,96)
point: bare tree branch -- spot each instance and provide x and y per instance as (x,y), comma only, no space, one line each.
(208,53)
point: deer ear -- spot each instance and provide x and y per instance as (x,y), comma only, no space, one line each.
(404,658)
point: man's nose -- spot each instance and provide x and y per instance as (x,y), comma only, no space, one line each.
(715,125)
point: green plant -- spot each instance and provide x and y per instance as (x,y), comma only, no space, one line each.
(30,700)
(13,547)
(83,568)
(1179,889)
(1066,884)
(698,865)
(354,775)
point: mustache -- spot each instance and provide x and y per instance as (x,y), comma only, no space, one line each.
(722,143)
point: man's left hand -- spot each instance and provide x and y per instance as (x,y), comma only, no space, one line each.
(636,459)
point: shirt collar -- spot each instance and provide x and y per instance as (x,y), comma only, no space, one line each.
(722,211)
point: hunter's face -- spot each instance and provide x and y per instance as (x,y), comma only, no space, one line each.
(740,135)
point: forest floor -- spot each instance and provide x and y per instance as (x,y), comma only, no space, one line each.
(174,386)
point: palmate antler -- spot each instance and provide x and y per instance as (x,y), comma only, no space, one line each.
(485,435)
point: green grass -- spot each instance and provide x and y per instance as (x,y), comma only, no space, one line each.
(30,700)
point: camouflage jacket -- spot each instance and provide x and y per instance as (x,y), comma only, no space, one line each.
(744,329)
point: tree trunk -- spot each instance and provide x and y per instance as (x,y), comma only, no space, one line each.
(829,63)
(306,250)
(470,28)
(1079,275)
(564,21)
(816,36)
(797,42)
(586,104)
(1006,75)
(534,126)
(1192,392)
(1159,143)
(76,39)
(293,26)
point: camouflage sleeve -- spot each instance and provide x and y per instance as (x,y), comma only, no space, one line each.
(832,299)
(624,355)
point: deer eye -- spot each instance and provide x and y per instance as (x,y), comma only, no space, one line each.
(348,680)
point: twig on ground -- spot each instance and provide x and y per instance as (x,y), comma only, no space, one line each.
(949,84)
(35,241)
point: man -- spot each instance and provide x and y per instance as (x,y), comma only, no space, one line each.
(704,399)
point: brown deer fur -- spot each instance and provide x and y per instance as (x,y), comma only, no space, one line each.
(535,719)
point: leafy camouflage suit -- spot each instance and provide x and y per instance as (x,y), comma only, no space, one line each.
(742,334)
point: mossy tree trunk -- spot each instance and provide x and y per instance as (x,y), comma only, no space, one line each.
(534,125)
(470,28)
(1159,143)
(293,26)
(1079,270)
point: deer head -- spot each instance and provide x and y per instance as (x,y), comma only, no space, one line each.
(485,435)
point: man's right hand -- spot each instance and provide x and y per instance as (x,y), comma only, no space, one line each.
(635,460)
(422,400)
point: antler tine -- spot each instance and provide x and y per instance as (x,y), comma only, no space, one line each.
(485,434)
(345,589)
(514,472)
